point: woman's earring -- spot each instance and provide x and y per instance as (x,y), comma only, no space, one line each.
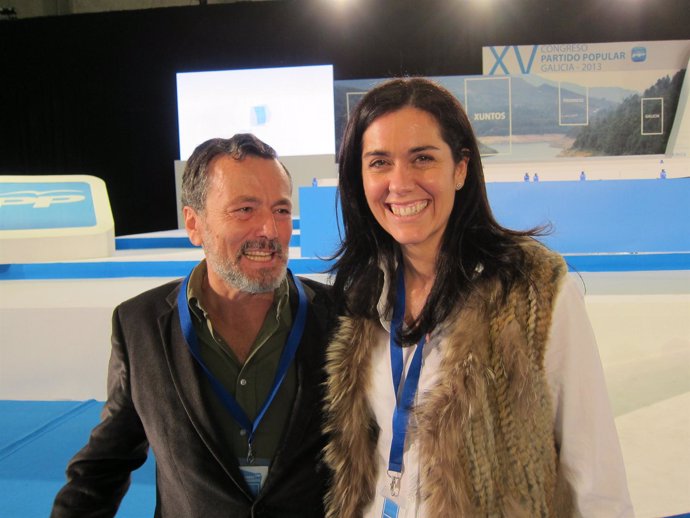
(458,187)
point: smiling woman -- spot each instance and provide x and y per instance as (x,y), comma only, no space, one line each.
(410,178)
(478,327)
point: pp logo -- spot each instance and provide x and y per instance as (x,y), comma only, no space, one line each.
(259,115)
(638,54)
(41,199)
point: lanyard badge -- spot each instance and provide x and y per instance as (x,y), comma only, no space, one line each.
(406,398)
(226,398)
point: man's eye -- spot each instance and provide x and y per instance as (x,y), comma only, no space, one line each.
(424,158)
(284,211)
(245,210)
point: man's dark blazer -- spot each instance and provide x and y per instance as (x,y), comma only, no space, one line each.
(155,398)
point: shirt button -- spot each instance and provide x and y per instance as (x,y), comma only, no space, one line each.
(243,382)
(243,432)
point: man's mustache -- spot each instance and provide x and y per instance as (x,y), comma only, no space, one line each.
(265,245)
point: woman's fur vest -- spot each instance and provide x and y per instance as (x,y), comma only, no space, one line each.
(486,442)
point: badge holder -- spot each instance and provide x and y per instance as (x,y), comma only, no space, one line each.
(393,505)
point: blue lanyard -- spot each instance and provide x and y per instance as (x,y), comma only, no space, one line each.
(226,398)
(404,403)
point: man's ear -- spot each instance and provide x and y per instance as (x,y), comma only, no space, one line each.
(193,225)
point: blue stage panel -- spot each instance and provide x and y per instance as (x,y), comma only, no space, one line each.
(600,216)
(318,221)
(39,438)
(144,243)
(121,269)
(598,224)
(22,418)
(54,218)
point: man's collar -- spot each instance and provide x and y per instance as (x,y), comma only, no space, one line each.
(281,296)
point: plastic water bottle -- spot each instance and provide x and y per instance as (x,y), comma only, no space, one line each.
(314,182)
(662,174)
(536,177)
(526,177)
(583,176)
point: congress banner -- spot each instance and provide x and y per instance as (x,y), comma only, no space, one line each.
(585,57)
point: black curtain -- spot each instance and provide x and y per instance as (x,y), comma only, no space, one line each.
(95,93)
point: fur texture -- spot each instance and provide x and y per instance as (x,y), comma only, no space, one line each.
(485,433)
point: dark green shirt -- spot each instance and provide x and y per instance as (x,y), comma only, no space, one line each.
(250,383)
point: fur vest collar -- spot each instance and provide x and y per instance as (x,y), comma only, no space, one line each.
(485,434)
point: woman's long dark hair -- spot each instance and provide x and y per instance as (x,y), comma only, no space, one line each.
(473,239)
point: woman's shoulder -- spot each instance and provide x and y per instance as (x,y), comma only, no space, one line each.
(541,260)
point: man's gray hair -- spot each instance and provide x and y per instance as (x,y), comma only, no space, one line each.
(195,176)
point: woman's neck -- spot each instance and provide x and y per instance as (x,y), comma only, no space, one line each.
(420,274)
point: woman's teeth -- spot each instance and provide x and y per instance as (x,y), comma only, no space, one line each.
(408,210)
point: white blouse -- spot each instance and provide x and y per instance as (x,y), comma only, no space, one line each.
(590,456)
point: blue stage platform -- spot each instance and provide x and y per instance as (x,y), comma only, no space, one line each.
(37,439)
(598,225)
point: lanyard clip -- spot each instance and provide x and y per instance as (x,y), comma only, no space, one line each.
(395,482)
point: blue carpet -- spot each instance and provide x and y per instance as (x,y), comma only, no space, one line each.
(37,439)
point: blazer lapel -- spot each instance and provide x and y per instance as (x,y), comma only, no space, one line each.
(309,365)
(188,378)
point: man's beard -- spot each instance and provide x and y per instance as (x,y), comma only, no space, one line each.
(267,279)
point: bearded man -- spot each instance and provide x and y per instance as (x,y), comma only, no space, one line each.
(220,373)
